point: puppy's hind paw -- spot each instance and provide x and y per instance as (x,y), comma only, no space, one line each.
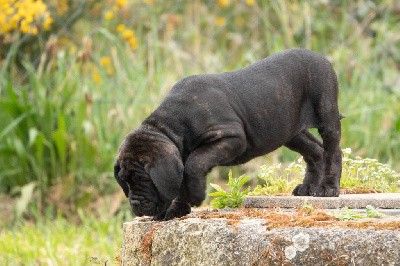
(304,190)
(327,191)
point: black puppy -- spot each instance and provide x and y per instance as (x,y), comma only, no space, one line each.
(228,119)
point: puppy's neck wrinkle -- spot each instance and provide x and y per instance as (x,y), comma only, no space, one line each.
(164,132)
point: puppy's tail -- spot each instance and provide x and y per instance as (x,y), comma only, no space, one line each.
(341,116)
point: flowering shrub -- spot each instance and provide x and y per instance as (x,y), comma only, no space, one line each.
(357,174)
(279,180)
(30,23)
(366,173)
(24,16)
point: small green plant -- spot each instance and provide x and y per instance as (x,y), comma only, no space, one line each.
(308,207)
(232,198)
(372,212)
(346,214)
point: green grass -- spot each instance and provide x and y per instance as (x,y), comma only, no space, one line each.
(59,241)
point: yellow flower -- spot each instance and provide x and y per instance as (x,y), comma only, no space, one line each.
(148,2)
(105,61)
(34,31)
(220,21)
(2,18)
(9,11)
(24,26)
(130,37)
(29,18)
(96,76)
(223,3)
(5,28)
(127,34)
(108,15)
(250,2)
(120,27)
(13,22)
(121,3)
(133,43)
(25,16)
(47,23)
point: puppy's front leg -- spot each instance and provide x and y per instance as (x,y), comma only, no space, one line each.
(198,164)
(179,207)
(203,159)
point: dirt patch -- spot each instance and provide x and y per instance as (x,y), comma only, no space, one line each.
(302,217)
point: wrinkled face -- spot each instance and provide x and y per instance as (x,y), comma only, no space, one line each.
(149,169)
(143,195)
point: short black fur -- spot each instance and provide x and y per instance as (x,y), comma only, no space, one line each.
(228,119)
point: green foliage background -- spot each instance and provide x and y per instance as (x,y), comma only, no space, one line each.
(65,116)
(69,95)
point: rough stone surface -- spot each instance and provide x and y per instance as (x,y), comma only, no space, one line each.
(352,201)
(219,241)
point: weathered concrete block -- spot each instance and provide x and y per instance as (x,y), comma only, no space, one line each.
(249,241)
(352,201)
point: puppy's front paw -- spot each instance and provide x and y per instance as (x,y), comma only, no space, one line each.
(177,209)
(327,191)
(159,217)
(305,190)
(197,197)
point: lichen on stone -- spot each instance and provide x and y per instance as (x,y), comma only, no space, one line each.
(301,241)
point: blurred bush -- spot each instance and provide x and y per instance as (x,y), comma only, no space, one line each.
(76,76)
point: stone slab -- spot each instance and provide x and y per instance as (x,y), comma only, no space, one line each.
(352,201)
(386,212)
(218,241)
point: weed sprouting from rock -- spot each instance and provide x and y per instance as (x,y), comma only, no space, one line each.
(232,198)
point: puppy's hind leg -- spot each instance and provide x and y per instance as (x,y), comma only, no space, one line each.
(330,133)
(311,150)
(324,91)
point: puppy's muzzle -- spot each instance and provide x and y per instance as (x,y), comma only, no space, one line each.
(134,203)
(142,207)
(138,210)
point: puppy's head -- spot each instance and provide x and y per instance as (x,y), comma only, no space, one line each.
(149,169)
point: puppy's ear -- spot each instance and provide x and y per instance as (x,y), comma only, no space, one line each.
(167,175)
(123,184)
